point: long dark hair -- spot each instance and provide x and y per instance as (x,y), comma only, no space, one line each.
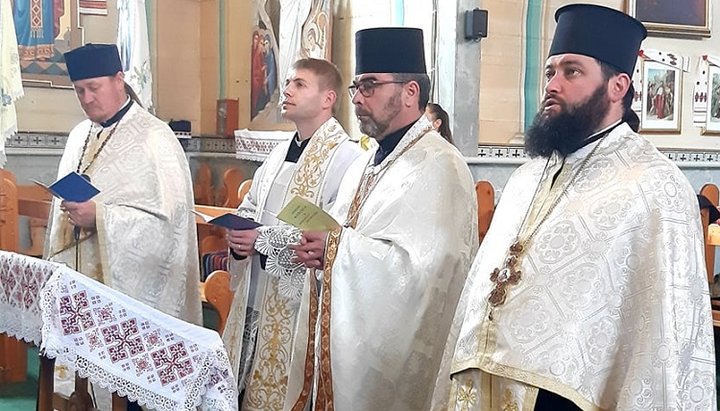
(131,93)
(437,113)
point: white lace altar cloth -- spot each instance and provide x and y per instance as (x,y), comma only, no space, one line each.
(256,145)
(21,278)
(132,349)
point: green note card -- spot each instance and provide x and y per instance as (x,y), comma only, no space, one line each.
(307,216)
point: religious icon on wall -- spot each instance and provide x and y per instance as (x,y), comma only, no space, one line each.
(316,32)
(263,70)
(712,123)
(45,30)
(660,97)
(672,17)
(284,31)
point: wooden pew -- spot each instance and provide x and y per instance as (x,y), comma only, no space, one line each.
(211,238)
(34,202)
(216,292)
(13,353)
(16,201)
(228,195)
(9,238)
(243,189)
(203,187)
(485,206)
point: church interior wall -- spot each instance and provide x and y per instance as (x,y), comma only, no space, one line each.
(201,53)
(177,74)
(56,110)
(511,75)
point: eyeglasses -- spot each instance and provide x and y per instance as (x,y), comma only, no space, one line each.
(367,87)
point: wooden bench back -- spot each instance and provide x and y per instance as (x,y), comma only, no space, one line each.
(228,196)
(9,237)
(243,189)
(218,294)
(203,187)
(485,206)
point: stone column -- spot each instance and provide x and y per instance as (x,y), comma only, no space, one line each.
(457,77)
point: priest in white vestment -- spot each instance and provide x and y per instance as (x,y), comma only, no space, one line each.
(377,317)
(268,285)
(589,291)
(138,235)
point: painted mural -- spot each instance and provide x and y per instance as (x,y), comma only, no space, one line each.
(45,30)
(284,30)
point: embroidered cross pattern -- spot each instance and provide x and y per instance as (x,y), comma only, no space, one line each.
(7,279)
(509,274)
(172,363)
(123,341)
(76,308)
(29,287)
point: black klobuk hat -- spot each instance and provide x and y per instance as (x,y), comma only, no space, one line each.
(389,50)
(93,60)
(606,34)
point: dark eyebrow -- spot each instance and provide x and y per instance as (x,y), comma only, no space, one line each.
(565,63)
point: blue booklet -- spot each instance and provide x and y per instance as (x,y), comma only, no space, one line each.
(229,220)
(72,187)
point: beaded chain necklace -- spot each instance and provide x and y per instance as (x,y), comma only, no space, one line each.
(370,177)
(97,153)
(509,273)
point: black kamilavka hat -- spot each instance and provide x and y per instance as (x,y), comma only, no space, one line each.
(93,60)
(389,50)
(606,34)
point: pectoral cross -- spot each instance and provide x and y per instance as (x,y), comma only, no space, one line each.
(509,274)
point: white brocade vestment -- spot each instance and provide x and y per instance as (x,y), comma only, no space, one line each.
(145,243)
(612,310)
(262,321)
(395,277)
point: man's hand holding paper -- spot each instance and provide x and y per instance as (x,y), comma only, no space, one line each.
(315,223)
(307,216)
(311,250)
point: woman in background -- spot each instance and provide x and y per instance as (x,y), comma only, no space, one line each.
(440,120)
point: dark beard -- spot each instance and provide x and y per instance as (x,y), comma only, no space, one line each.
(567,131)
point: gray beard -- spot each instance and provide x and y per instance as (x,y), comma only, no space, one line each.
(375,127)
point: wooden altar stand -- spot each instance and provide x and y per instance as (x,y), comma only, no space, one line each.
(13,353)
(135,350)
